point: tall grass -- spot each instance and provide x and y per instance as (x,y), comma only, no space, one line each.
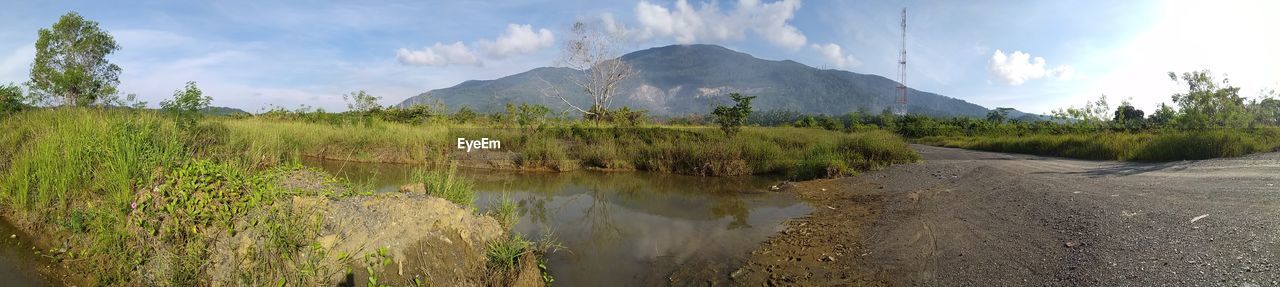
(1155,146)
(447,184)
(136,200)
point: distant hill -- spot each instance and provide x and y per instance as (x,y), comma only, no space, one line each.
(223,111)
(693,79)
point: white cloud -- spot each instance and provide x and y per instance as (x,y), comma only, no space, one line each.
(687,24)
(518,40)
(836,56)
(1018,68)
(439,55)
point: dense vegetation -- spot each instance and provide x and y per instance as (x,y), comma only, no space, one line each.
(1209,120)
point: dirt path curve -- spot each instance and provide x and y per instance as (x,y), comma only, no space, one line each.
(969,218)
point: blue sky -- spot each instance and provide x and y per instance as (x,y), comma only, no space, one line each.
(1032,55)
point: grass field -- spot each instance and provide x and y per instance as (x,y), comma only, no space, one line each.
(1150,146)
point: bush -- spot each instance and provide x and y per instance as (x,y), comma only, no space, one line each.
(731,118)
(11,99)
(186,105)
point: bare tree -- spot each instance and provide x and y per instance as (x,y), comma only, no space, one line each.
(593,51)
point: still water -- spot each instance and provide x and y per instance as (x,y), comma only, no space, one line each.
(622,228)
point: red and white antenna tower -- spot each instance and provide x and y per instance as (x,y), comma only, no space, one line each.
(902,68)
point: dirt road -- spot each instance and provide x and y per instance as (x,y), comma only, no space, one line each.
(969,218)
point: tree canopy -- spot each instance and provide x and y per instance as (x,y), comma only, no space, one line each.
(71,63)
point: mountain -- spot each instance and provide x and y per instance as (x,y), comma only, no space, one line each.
(693,79)
(223,111)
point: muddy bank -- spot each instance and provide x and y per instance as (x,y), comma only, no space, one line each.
(822,248)
(399,239)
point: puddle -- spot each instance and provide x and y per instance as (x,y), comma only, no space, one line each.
(19,263)
(622,228)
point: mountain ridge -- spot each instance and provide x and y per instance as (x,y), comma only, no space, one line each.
(693,79)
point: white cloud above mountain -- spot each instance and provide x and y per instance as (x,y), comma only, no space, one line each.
(439,55)
(1017,68)
(516,40)
(836,57)
(687,24)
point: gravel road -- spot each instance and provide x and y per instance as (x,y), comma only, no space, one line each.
(971,218)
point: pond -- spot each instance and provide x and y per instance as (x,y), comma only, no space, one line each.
(622,228)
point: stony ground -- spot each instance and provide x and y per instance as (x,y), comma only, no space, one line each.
(968,218)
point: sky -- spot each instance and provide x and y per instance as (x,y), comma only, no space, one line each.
(1035,56)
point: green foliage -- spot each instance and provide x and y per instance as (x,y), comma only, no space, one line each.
(1208,105)
(526,116)
(1165,146)
(505,253)
(71,62)
(415,115)
(447,184)
(464,115)
(1266,111)
(186,105)
(374,263)
(999,115)
(627,117)
(731,119)
(506,212)
(11,99)
(362,102)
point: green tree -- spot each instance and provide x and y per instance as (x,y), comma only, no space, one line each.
(71,62)
(1206,104)
(1162,116)
(1127,113)
(1266,110)
(731,118)
(11,99)
(362,102)
(999,115)
(464,115)
(186,105)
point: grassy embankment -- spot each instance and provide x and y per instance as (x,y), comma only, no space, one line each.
(795,152)
(1143,146)
(130,198)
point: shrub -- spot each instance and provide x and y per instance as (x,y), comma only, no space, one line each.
(731,118)
(186,105)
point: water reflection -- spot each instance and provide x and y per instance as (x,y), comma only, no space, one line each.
(622,228)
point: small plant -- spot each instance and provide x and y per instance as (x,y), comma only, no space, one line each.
(374,262)
(447,184)
(506,212)
(504,253)
(186,105)
(731,118)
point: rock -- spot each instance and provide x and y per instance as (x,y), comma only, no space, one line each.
(1072,243)
(828,259)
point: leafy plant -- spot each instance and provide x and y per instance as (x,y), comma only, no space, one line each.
(11,99)
(731,118)
(186,105)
